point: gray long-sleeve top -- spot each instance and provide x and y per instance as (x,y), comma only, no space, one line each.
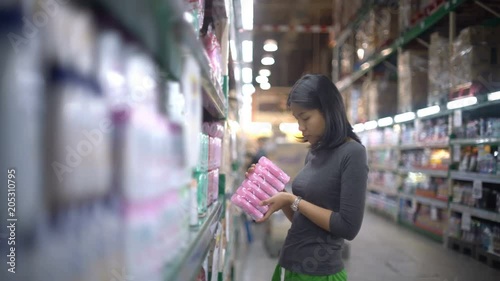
(336,180)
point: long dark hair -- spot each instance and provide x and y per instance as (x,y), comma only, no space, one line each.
(314,91)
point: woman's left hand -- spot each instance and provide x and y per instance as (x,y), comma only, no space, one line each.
(276,203)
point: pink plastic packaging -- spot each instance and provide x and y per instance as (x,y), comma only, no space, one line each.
(250,197)
(239,201)
(254,189)
(263,184)
(275,170)
(269,177)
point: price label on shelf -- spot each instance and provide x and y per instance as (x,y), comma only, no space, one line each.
(466,221)
(457,118)
(456,153)
(477,189)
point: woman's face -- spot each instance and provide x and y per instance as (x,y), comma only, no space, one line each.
(311,122)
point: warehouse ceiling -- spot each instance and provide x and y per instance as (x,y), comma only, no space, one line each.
(298,52)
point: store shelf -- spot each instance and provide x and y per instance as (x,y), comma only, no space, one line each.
(422,145)
(429,172)
(383,168)
(404,39)
(178,38)
(478,213)
(475,141)
(382,147)
(382,189)
(470,176)
(425,200)
(199,243)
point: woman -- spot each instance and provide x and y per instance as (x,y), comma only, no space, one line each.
(328,197)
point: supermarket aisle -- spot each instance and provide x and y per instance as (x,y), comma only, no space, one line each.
(384,251)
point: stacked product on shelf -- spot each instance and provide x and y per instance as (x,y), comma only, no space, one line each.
(412,84)
(118,142)
(474,60)
(382,95)
(439,69)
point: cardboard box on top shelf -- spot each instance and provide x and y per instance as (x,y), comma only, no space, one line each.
(413,78)
(439,69)
(381,96)
(474,63)
(478,35)
(359,104)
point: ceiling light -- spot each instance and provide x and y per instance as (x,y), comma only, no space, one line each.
(384,122)
(358,128)
(431,110)
(247,14)
(494,96)
(262,79)
(247,50)
(370,125)
(365,66)
(265,86)
(267,60)
(188,17)
(234,51)
(386,52)
(265,72)
(361,54)
(246,75)
(247,89)
(461,103)
(404,117)
(270,45)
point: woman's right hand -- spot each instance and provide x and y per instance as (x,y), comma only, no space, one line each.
(250,170)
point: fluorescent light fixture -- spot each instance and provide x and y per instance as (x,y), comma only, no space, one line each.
(361,53)
(404,117)
(265,86)
(188,17)
(358,128)
(247,14)
(237,73)
(234,51)
(289,128)
(370,125)
(247,89)
(247,100)
(265,72)
(365,66)
(246,75)
(247,50)
(384,122)
(267,60)
(386,52)
(270,45)
(494,96)
(461,103)
(431,110)
(262,79)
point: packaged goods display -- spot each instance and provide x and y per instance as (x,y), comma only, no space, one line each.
(433,130)
(386,158)
(423,185)
(381,95)
(388,180)
(483,234)
(436,159)
(479,128)
(481,159)
(487,199)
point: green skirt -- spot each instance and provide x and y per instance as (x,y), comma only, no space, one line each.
(292,276)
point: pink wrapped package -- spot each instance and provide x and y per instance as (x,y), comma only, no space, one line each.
(239,201)
(263,184)
(255,190)
(250,197)
(275,170)
(270,178)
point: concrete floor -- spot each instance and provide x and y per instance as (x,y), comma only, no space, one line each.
(383,251)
